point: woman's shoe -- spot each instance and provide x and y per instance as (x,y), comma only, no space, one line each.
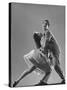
(15,83)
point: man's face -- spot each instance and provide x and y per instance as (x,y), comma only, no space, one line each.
(44,25)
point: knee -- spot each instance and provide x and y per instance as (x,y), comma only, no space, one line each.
(57,67)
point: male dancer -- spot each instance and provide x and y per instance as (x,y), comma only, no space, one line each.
(51,48)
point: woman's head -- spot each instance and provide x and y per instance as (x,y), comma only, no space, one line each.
(37,38)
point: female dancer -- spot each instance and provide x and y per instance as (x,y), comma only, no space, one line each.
(37,61)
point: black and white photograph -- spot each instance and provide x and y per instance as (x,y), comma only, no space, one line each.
(36,44)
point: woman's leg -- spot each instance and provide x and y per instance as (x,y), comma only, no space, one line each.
(25,73)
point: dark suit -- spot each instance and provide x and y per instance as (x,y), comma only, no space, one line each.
(50,45)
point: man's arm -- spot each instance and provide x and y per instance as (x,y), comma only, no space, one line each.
(54,45)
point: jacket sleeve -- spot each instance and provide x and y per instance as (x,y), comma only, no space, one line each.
(55,45)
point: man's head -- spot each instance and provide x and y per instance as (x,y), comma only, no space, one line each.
(45,24)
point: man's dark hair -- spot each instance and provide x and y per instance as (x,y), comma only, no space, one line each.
(47,22)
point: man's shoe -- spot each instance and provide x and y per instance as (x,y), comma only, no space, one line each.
(41,83)
(63,82)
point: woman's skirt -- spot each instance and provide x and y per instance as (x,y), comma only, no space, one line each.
(36,58)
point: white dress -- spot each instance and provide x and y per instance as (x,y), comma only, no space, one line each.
(36,58)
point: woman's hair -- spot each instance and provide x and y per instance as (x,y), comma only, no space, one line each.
(37,38)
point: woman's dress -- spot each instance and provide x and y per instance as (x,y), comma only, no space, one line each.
(38,59)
